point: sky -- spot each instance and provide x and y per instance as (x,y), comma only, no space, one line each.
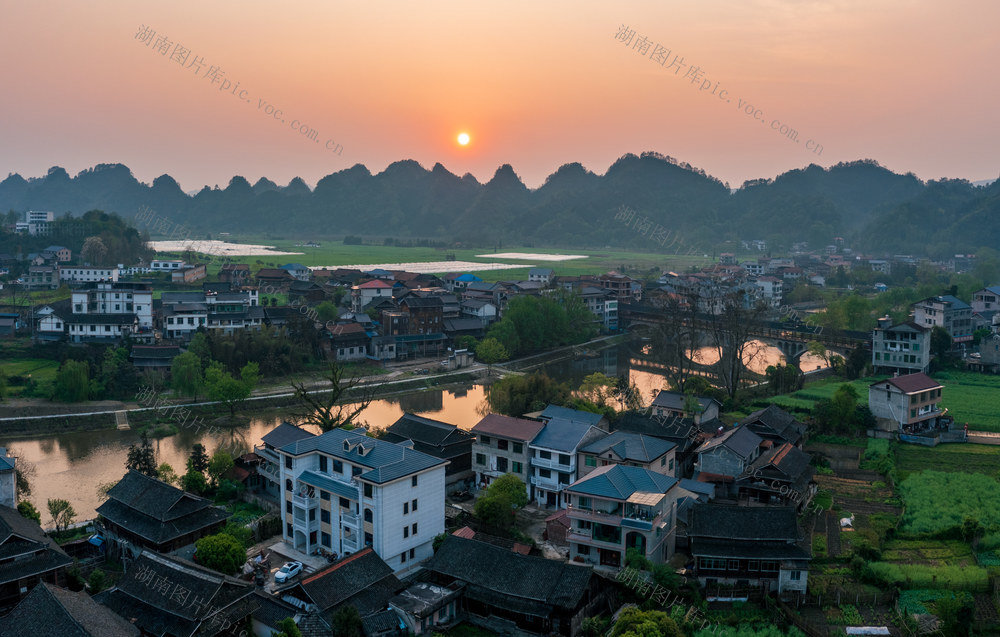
(742,89)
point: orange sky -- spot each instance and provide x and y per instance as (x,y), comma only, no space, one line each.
(909,83)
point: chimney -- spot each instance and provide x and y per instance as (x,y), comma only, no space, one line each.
(884,322)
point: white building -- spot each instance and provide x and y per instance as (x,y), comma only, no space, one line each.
(772,289)
(8,479)
(115,298)
(166,265)
(554,456)
(907,404)
(343,491)
(900,349)
(36,222)
(87,274)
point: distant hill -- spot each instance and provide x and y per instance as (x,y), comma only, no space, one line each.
(873,208)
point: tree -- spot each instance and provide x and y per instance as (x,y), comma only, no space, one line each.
(221,552)
(24,471)
(198,461)
(506,334)
(194,482)
(94,251)
(223,387)
(220,463)
(3,385)
(782,378)
(676,339)
(517,395)
(327,311)
(142,458)
(626,393)
(491,351)
(62,513)
(167,474)
(28,510)
(346,399)
(839,414)
(818,350)
(510,486)
(633,622)
(186,377)
(97,582)
(940,342)
(731,335)
(505,495)
(103,489)
(346,622)
(597,388)
(72,382)
(287,628)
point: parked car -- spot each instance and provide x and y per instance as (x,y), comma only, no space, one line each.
(287,572)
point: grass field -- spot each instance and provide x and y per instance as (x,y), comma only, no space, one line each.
(962,458)
(972,398)
(808,395)
(41,370)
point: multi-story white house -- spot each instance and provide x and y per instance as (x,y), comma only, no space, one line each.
(632,449)
(772,289)
(948,312)
(166,265)
(184,312)
(900,349)
(365,293)
(907,404)
(107,311)
(618,507)
(501,447)
(553,458)
(603,303)
(87,274)
(343,491)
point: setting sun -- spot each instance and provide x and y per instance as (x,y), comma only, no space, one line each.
(463,139)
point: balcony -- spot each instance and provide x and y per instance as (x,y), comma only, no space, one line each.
(304,524)
(306,502)
(552,464)
(613,519)
(349,520)
(550,484)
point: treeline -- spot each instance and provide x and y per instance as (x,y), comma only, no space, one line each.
(533,324)
(121,242)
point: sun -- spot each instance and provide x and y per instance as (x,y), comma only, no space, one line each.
(463,139)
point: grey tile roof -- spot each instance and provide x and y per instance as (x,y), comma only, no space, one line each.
(562,435)
(428,431)
(675,401)
(364,580)
(775,421)
(386,461)
(740,440)
(555,411)
(630,446)
(722,522)
(50,611)
(785,461)
(382,622)
(285,433)
(620,481)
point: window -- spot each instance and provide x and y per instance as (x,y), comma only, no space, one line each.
(754,565)
(324,516)
(368,490)
(515,467)
(545,455)
(355,471)
(324,495)
(734,565)
(518,447)
(406,532)
(413,481)
(590,461)
(368,539)
(288,529)
(413,553)
(338,466)
(345,503)
(288,462)
(583,549)
(324,539)
(402,557)
(563,459)
(795,576)
(288,485)
(413,506)
(368,515)
(502,464)
(414,528)
(288,506)
(671,467)
(544,473)
(406,508)
(502,445)
(584,503)
(663,461)
(481,458)
(485,440)
(322,463)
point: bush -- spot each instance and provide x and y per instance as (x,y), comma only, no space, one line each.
(221,552)
(97,582)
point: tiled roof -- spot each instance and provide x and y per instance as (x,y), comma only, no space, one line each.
(555,411)
(740,440)
(428,431)
(386,461)
(508,427)
(509,580)
(912,383)
(328,483)
(675,401)
(777,420)
(630,446)
(722,522)
(620,481)
(382,622)
(50,611)
(20,536)
(101,319)
(374,284)
(562,435)
(284,434)
(363,578)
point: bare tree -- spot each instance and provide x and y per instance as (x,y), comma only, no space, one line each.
(94,251)
(337,407)
(731,332)
(676,338)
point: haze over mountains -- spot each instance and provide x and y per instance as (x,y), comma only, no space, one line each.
(875,209)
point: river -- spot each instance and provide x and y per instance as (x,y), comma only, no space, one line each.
(72,466)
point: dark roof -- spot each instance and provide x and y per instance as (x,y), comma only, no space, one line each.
(20,536)
(284,434)
(274,273)
(721,522)
(385,460)
(169,596)
(787,459)
(155,351)
(620,481)
(50,611)
(101,319)
(363,580)
(509,580)
(912,383)
(271,610)
(382,622)
(775,419)
(508,427)
(157,511)
(563,435)
(462,324)
(422,302)
(675,401)
(630,446)
(681,431)
(741,440)
(555,411)
(425,430)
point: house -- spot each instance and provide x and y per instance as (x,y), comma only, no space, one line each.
(775,424)
(772,290)
(945,311)
(633,449)
(154,357)
(273,280)
(484,311)
(115,298)
(98,328)
(50,320)
(50,610)
(8,323)
(438,439)
(671,404)
(166,265)
(501,447)
(727,455)
(458,282)
(189,274)
(575,415)
(557,527)
(426,314)
(348,341)
(63,254)
(554,457)
(424,608)
(36,222)
(146,513)
(901,349)
(269,466)
(454,328)
(539,596)
(616,508)
(683,432)
(8,479)
(362,295)
(603,304)
(42,277)
(163,595)
(627,289)
(306,292)
(758,547)
(541,275)
(780,476)
(907,404)
(86,274)
(298,271)
(988,359)
(344,491)
(236,274)
(29,557)
(361,580)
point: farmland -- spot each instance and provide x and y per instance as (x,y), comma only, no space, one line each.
(937,503)
(963,458)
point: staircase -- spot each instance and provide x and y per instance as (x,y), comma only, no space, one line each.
(121,420)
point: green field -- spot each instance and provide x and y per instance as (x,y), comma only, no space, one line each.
(808,395)
(957,458)
(971,398)
(42,371)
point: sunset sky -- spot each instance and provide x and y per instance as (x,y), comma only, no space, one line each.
(910,83)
